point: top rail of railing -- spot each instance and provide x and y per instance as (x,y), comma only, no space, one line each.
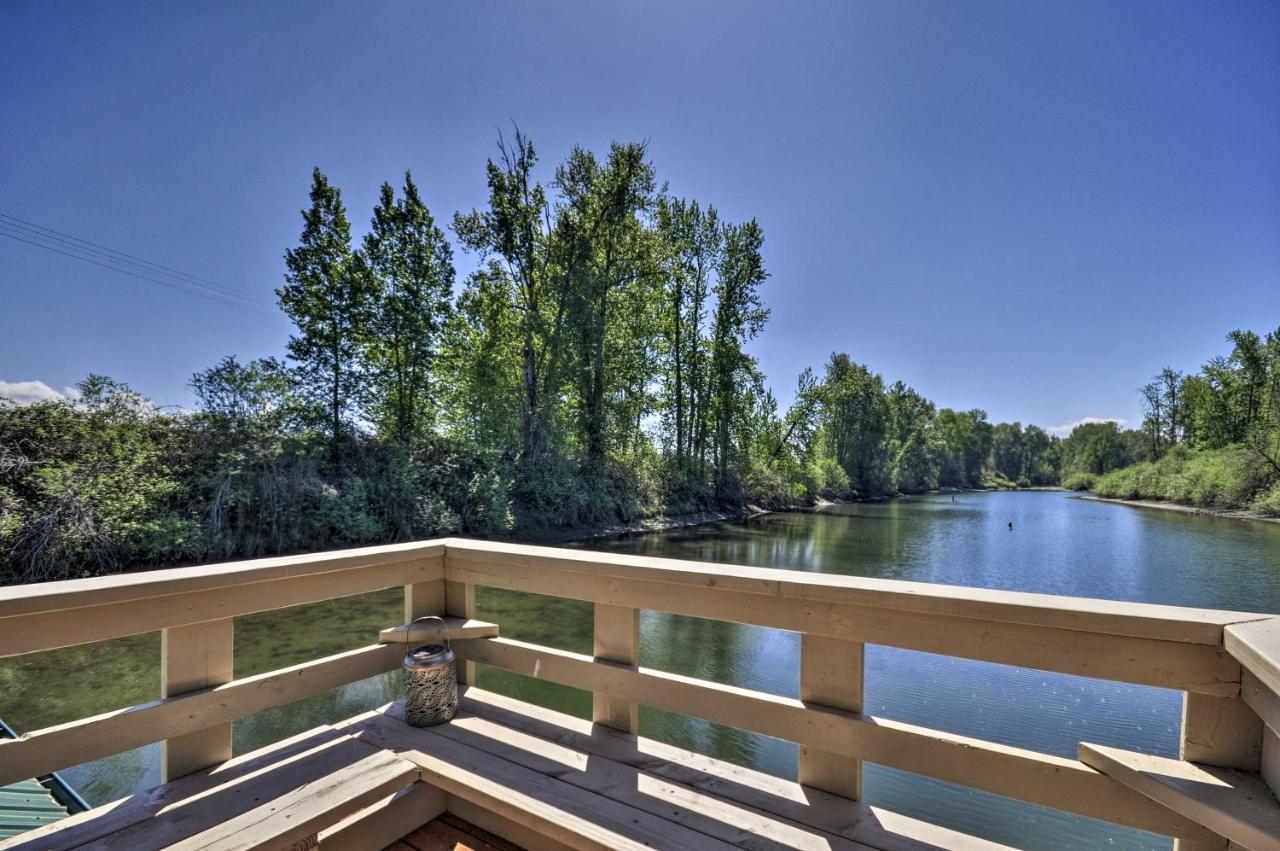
(48,615)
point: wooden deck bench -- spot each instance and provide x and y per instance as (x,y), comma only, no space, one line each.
(276,797)
(538,778)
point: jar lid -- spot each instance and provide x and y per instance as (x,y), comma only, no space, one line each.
(428,656)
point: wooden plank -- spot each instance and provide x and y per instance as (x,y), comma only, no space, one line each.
(383,822)
(76,593)
(1257,646)
(1139,620)
(546,805)
(1014,772)
(874,826)
(1234,804)
(616,639)
(1201,668)
(1221,731)
(435,631)
(1270,769)
(302,757)
(113,732)
(193,658)
(1262,700)
(30,633)
(303,811)
(830,675)
(460,602)
(741,826)
(424,598)
(451,833)
(503,826)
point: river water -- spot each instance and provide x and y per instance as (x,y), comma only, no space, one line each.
(1059,544)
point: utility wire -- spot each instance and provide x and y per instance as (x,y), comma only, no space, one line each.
(124,263)
(111,253)
(170,284)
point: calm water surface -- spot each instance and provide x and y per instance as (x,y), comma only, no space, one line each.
(1060,544)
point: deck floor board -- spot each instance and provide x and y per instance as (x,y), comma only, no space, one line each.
(722,803)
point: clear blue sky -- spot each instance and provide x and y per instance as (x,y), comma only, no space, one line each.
(1028,207)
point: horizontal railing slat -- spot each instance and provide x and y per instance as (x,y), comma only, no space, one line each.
(56,748)
(38,631)
(1012,772)
(1139,620)
(1201,668)
(72,593)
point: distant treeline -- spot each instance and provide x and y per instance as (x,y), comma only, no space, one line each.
(1209,439)
(592,369)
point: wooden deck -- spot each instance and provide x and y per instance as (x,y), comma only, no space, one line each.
(450,833)
(538,779)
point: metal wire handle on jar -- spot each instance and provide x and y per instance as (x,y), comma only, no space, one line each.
(444,627)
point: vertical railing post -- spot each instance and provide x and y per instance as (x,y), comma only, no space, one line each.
(192,658)
(831,675)
(460,602)
(1221,731)
(424,598)
(616,639)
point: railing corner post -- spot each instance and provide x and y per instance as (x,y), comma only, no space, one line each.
(460,602)
(1221,731)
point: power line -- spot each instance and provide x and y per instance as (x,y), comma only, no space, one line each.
(163,283)
(106,257)
(113,254)
(118,261)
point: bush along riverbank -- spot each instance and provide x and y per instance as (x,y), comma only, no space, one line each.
(1233,478)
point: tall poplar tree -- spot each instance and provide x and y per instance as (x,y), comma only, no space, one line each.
(739,316)
(605,252)
(692,239)
(411,268)
(513,232)
(326,294)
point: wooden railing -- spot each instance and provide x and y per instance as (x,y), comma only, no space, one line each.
(1226,663)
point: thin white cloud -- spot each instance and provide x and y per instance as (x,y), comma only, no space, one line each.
(1064,430)
(30,392)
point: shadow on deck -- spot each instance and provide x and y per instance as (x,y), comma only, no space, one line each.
(535,778)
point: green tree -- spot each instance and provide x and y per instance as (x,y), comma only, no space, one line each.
(513,231)
(259,393)
(739,316)
(607,255)
(411,265)
(910,416)
(327,295)
(693,241)
(855,424)
(1095,448)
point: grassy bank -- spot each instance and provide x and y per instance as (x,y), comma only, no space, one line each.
(1227,479)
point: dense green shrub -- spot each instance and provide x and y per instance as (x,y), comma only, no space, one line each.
(1268,501)
(1079,482)
(1226,478)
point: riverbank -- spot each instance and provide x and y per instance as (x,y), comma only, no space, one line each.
(660,523)
(1234,514)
